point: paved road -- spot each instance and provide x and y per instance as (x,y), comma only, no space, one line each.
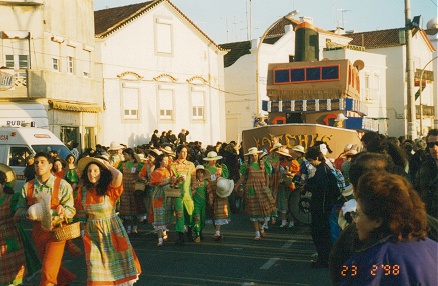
(281,258)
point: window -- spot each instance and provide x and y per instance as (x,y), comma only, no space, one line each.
(282,76)
(9,60)
(55,64)
(18,62)
(70,64)
(297,75)
(87,63)
(70,51)
(17,156)
(130,103)
(301,75)
(197,105)
(165,97)
(163,36)
(55,51)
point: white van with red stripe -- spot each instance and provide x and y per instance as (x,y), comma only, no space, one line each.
(16,143)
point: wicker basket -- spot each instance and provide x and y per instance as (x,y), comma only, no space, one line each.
(67,232)
(173,193)
(140,186)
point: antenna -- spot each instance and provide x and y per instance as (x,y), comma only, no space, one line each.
(342,16)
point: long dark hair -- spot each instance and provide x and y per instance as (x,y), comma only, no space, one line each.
(6,189)
(159,159)
(130,152)
(102,185)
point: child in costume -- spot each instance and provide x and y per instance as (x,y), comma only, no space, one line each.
(200,190)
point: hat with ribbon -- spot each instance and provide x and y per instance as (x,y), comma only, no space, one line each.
(212,156)
(10,175)
(154,151)
(87,160)
(115,146)
(253,151)
(224,187)
(298,148)
(284,152)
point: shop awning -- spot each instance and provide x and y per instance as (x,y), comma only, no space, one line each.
(75,106)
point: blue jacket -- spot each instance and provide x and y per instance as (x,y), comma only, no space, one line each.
(387,262)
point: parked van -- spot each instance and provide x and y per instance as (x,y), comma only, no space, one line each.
(16,143)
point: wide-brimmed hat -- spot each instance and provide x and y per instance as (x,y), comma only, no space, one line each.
(211,156)
(284,152)
(348,191)
(224,187)
(10,175)
(340,117)
(87,160)
(40,211)
(168,150)
(298,148)
(275,146)
(252,151)
(207,173)
(156,151)
(115,146)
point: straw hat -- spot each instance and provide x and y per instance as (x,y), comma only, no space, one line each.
(275,146)
(87,160)
(284,152)
(207,173)
(168,150)
(156,151)
(212,156)
(340,117)
(298,148)
(252,151)
(10,174)
(115,146)
(224,187)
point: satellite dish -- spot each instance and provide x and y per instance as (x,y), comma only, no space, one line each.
(359,64)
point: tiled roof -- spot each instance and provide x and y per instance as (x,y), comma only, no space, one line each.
(107,21)
(376,39)
(239,49)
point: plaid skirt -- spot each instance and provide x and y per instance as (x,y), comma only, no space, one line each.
(162,206)
(259,202)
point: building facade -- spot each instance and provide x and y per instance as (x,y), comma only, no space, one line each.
(160,71)
(47,46)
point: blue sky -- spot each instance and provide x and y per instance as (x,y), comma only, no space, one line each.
(227,20)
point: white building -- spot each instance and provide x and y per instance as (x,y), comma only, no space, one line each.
(391,44)
(160,71)
(47,46)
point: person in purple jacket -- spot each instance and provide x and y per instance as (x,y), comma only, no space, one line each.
(392,225)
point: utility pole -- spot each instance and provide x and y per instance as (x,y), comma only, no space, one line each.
(410,105)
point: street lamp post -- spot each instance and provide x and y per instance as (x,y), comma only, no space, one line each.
(410,106)
(421,89)
(262,38)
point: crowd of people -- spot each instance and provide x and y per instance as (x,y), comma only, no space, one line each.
(385,204)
